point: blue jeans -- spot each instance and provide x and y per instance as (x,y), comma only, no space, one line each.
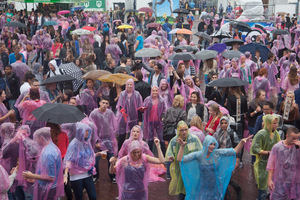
(262,195)
(32,30)
(109,155)
(86,183)
(168,169)
(251,131)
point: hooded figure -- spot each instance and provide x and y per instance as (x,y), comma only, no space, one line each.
(54,70)
(264,140)
(166,93)
(99,55)
(207,177)
(193,144)
(114,50)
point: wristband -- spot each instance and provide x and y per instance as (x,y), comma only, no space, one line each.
(255,111)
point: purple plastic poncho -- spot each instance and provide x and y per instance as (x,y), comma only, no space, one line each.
(272,72)
(195,131)
(3,111)
(20,69)
(93,127)
(106,130)
(88,100)
(153,125)
(7,131)
(133,176)
(190,89)
(127,113)
(285,162)
(48,165)
(114,50)
(5,183)
(167,94)
(261,83)
(43,96)
(80,157)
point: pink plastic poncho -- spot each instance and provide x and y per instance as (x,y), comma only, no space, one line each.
(80,157)
(88,100)
(153,125)
(48,165)
(106,130)
(261,83)
(114,50)
(285,162)
(5,182)
(43,96)
(190,89)
(93,127)
(133,176)
(3,111)
(7,130)
(195,131)
(272,72)
(127,113)
(167,94)
(20,69)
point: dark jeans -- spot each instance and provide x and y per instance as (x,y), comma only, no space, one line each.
(262,194)
(86,183)
(162,144)
(121,140)
(67,188)
(237,189)
(111,176)
(181,196)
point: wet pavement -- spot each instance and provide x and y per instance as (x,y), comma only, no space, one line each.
(159,190)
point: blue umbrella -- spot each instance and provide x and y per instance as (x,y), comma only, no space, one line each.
(50,23)
(217,47)
(252,47)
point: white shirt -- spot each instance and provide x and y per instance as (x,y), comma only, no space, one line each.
(154,80)
(39,21)
(25,87)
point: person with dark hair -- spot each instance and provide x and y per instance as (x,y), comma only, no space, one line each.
(155,73)
(13,83)
(213,93)
(139,44)
(194,107)
(100,56)
(12,56)
(141,86)
(26,82)
(111,65)
(282,180)
(4,113)
(123,66)
(19,67)
(67,95)
(267,110)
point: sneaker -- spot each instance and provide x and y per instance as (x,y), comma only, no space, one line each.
(168,177)
(114,181)
(95,180)
(241,165)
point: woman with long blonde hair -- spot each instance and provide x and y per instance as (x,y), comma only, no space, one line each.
(214,119)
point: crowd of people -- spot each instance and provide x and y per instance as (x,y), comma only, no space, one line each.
(167,121)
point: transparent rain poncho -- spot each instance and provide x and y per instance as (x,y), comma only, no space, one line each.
(89,100)
(43,96)
(3,111)
(133,176)
(285,162)
(48,165)
(5,183)
(106,130)
(193,144)
(80,157)
(7,131)
(207,178)
(264,140)
(167,94)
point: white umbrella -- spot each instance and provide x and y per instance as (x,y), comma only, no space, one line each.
(174,31)
(81,32)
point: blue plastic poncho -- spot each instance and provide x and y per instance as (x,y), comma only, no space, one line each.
(207,178)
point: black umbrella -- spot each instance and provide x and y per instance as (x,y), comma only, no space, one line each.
(58,78)
(207,17)
(181,11)
(205,36)
(182,56)
(253,47)
(15,24)
(227,82)
(231,42)
(229,54)
(241,26)
(132,10)
(220,34)
(281,51)
(206,54)
(280,32)
(186,47)
(58,113)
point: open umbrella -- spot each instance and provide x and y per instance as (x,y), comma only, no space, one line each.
(153,25)
(220,34)
(281,51)
(206,54)
(229,54)
(184,31)
(118,78)
(241,26)
(58,78)
(205,36)
(227,82)
(147,53)
(50,23)
(186,47)
(132,10)
(74,71)
(207,17)
(252,47)
(89,28)
(124,26)
(217,47)
(181,11)
(182,56)
(81,32)
(63,12)
(270,28)
(280,32)
(146,9)
(231,42)
(95,74)
(15,24)
(58,113)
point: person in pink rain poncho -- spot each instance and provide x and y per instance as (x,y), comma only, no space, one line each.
(48,178)
(191,87)
(272,72)
(79,162)
(284,166)
(6,182)
(166,93)
(133,171)
(114,50)
(127,111)
(88,97)
(106,132)
(27,106)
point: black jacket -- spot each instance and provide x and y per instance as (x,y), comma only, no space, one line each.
(14,85)
(199,109)
(4,58)
(100,57)
(143,88)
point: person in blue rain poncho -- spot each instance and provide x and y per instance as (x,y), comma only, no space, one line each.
(206,173)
